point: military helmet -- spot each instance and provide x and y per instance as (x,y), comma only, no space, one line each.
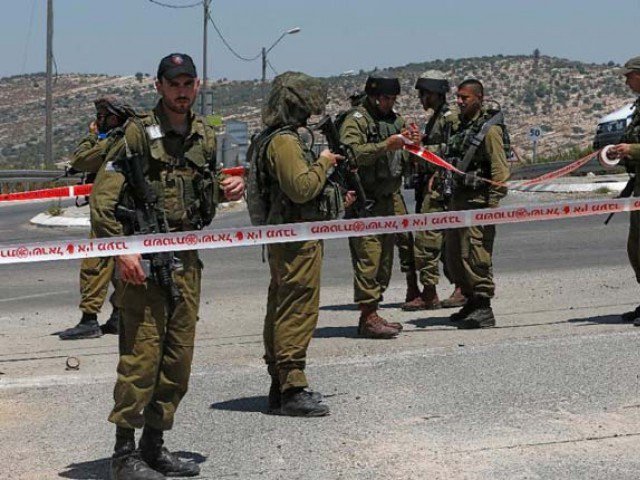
(632,65)
(433,81)
(293,98)
(382,86)
(113,105)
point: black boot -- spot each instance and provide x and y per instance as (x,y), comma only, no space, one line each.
(87,328)
(161,459)
(275,397)
(111,325)
(631,316)
(463,312)
(481,316)
(298,402)
(126,463)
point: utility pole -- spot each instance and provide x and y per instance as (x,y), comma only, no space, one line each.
(203,87)
(48,149)
(264,64)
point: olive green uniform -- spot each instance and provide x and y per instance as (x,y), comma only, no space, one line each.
(429,244)
(156,346)
(632,136)
(404,241)
(95,273)
(294,290)
(469,250)
(365,130)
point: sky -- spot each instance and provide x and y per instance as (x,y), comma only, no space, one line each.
(122,37)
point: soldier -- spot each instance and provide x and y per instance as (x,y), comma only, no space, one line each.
(142,179)
(479,147)
(373,131)
(629,152)
(97,273)
(289,184)
(432,91)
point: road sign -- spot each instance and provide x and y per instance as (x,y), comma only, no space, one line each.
(535,133)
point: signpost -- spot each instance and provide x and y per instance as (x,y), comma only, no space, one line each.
(535,133)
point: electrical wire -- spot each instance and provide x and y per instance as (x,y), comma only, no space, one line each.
(168,5)
(226,44)
(28,40)
(271,67)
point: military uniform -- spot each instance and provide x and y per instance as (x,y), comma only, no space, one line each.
(380,170)
(295,188)
(632,136)
(469,250)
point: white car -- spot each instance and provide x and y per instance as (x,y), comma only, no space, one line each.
(612,126)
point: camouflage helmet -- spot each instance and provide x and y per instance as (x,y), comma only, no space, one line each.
(113,105)
(294,97)
(433,81)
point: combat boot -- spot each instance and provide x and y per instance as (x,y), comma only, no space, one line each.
(371,325)
(126,462)
(162,460)
(413,291)
(457,299)
(461,314)
(87,328)
(298,402)
(111,325)
(631,316)
(428,300)
(275,397)
(480,317)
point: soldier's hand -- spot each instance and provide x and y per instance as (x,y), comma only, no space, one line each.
(334,157)
(233,188)
(394,142)
(413,134)
(349,198)
(130,269)
(622,150)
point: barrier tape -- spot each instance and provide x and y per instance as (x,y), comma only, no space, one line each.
(78,190)
(251,236)
(439,162)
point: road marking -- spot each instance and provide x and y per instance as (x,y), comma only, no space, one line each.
(35,295)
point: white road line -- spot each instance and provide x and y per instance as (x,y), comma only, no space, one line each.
(35,295)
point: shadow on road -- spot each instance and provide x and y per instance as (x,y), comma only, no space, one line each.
(247,404)
(431,322)
(338,308)
(92,470)
(337,332)
(615,319)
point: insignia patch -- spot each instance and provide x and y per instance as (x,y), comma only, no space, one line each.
(154,132)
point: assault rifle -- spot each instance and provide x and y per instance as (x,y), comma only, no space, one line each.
(345,173)
(147,218)
(625,193)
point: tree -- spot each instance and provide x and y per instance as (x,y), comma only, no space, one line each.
(139,77)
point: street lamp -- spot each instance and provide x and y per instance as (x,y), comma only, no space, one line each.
(267,50)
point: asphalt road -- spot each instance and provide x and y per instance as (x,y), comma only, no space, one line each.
(551,393)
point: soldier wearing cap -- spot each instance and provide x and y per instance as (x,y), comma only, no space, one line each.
(628,150)
(432,87)
(175,151)
(96,273)
(373,131)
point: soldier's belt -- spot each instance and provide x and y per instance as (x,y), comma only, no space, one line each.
(251,236)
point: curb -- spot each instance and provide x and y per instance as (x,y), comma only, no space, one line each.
(82,221)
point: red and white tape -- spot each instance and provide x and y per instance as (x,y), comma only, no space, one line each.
(250,236)
(77,190)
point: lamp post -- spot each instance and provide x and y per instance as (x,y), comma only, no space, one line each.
(267,50)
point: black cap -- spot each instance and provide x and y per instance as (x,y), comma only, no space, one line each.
(176,64)
(382,86)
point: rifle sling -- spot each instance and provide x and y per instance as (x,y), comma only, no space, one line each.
(478,138)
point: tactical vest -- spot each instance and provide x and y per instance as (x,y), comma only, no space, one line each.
(386,175)
(632,132)
(461,140)
(268,204)
(186,186)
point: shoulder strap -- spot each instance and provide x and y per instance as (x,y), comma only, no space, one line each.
(476,140)
(432,121)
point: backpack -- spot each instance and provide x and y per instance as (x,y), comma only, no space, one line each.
(257,182)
